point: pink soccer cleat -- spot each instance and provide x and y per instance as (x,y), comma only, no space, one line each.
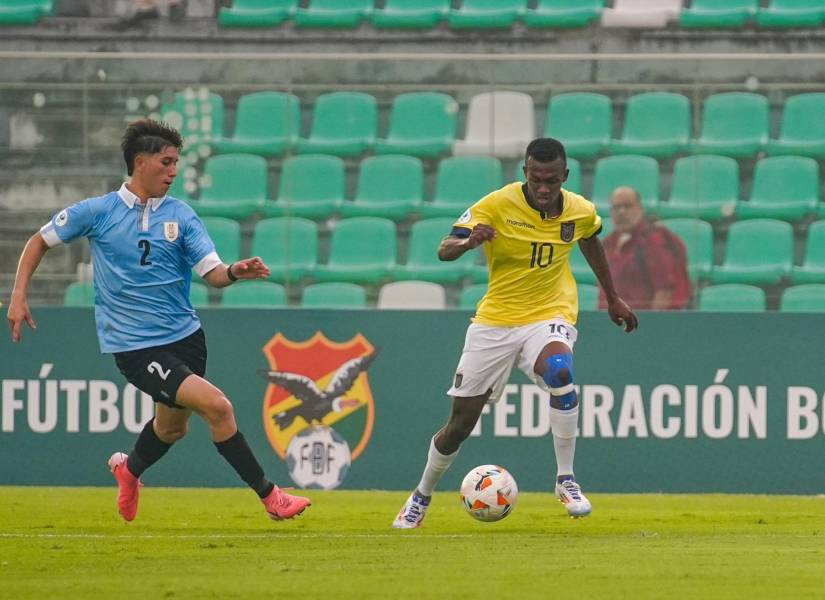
(128,486)
(281,505)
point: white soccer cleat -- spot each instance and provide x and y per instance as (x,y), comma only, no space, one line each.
(570,494)
(412,513)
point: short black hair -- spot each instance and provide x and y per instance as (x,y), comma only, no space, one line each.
(147,136)
(545,150)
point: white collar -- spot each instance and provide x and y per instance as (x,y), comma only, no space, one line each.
(130,199)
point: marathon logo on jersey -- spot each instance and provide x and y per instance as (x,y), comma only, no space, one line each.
(317,382)
(568,231)
(170,230)
(62,218)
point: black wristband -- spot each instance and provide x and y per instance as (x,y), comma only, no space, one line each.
(229,273)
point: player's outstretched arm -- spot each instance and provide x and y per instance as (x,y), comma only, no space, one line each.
(452,247)
(19,311)
(618,310)
(248,268)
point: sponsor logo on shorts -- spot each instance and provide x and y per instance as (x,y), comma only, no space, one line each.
(459,377)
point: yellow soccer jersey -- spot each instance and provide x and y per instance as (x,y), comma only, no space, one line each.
(529,260)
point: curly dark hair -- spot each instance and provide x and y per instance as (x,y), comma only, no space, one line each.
(545,150)
(147,136)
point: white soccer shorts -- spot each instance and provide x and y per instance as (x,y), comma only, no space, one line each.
(491,352)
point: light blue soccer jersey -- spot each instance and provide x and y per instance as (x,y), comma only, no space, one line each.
(143,256)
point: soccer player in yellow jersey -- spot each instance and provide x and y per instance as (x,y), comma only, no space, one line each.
(527,316)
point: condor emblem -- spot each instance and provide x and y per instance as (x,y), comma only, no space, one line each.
(170,230)
(317,383)
(568,231)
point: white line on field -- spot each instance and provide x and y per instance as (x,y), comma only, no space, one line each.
(209,536)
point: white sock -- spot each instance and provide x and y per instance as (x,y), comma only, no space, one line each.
(437,465)
(563,424)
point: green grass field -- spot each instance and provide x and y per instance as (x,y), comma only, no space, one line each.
(191,543)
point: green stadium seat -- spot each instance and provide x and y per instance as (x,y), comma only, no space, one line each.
(256,13)
(288,246)
(460,182)
(197,114)
(251,294)
(422,124)
(574,175)
(784,187)
(334,13)
(266,123)
(638,172)
(390,186)
(583,122)
(311,185)
(803,298)
(471,295)
(422,254)
(655,124)
(486,14)
(343,123)
(812,269)
(588,297)
(758,252)
(697,236)
(226,233)
(362,250)
(791,13)
(79,293)
(704,187)
(237,186)
(563,14)
(180,188)
(24,12)
(802,129)
(581,270)
(334,295)
(411,13)
(713,14)
(199,295)
(732,297)
(733,124)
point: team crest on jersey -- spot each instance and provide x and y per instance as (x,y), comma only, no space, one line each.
(466,217)
(318,382)
(568,231)
(170,230)
(62,218)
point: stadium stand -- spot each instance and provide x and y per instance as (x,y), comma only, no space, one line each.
(311,185)
(343,123)
(796,176)
(199,295)
(704,187)
(288,245)
(758,252)
(24,12)
(256,13)
(733,124)
(333,13)
(421,124)
(236,186)
(697,236)
(486,14)
(563,14)
(460,181)
(254,294)
(499,124)
(641,13)
(812,269)
(718,13)
(390,186)
(803,298)
(362,250)
(422,259)
(197,114)
(802,130)
(655,124)
(334,295)
(639,172)
(266,123)
(412,295)
(588,297)
(411,13)
(732,297)
(791,13)
(79,293)
(582,120)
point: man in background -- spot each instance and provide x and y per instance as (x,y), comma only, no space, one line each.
(648,261)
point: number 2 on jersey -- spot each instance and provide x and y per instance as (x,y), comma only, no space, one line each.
(144,258)
(542,255)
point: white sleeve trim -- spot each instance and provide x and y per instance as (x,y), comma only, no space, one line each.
(207,263)
(50,235)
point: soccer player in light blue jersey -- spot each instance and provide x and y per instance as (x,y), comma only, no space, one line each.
(144,246)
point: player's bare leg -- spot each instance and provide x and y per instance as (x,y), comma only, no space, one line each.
(443,450)
(555,366)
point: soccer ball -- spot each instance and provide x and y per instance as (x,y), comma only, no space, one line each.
(319,458)
(489,493)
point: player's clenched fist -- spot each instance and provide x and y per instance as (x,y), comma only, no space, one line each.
(481,233)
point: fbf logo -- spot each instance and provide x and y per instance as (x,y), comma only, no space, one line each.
(315,385)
